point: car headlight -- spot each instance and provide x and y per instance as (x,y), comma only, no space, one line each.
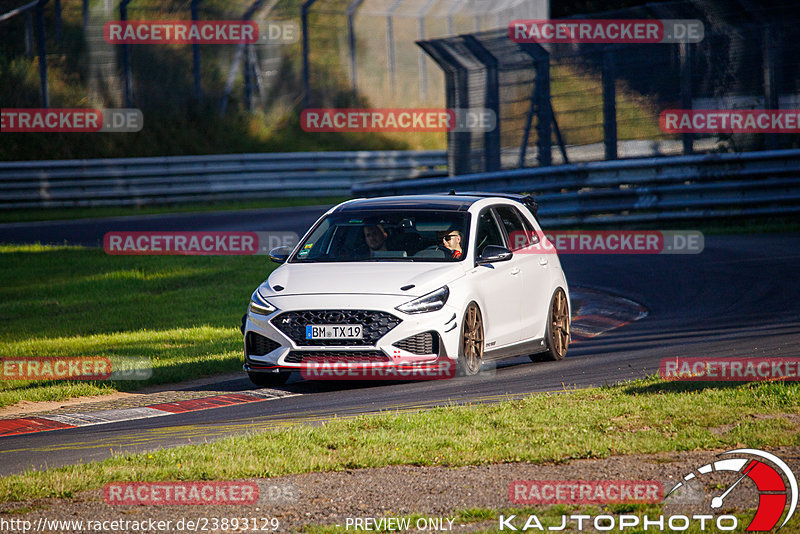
(260,305)
(433,301)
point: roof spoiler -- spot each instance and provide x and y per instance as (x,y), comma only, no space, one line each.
(527,200)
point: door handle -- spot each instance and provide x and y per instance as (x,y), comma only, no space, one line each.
(515,271)
(542,261)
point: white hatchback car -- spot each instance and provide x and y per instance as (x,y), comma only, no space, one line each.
(456,278)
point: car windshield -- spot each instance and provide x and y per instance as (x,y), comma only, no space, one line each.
(387,236)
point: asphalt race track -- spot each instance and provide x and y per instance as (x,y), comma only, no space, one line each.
(740,297)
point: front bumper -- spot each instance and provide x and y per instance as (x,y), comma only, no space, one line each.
(276,342)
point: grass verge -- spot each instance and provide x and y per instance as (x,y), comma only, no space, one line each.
(54,214)
(646,416)
(180,312)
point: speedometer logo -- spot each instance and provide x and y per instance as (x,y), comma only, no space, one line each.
(769,473)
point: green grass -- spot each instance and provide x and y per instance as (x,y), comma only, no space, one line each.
(577,105)
(646,416)
(180,313)
(53,214)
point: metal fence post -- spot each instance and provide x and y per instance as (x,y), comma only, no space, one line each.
(491,138)
(609,104)
(390,42)
(539,106)
(390,51)
(42,46)
(544,143)
(126,58)
(456,97)
(59,24)
(248,79)
(198,89)
(772,73)
(686,92)
(423,70)
(240,50)
(28,34)
(351,41)
(306,68)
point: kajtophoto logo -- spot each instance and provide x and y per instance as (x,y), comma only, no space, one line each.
(773,479)
(771,484)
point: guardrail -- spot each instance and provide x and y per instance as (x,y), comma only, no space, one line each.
(636,190)
(161,180)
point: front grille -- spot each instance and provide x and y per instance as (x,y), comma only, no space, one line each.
(424,343)
(258,345)
(336,356)
(376,325)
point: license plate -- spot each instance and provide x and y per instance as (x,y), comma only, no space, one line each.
(334,331)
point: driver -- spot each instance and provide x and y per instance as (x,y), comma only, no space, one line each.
(375,236)
(452,241)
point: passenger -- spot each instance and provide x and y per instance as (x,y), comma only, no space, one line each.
(452,242)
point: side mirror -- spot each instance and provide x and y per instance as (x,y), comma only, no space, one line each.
(493,254)
(280,254)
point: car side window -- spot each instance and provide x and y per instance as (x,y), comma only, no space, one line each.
(515,229)
(488,232)
(533,237)
(520,232)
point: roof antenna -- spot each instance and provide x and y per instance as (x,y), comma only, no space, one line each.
(452,192)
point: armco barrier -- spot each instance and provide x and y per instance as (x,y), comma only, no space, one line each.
(636,190)
(166,180)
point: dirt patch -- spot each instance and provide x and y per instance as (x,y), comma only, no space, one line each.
(298,501)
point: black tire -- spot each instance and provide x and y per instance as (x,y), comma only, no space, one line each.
(557,334)
(470,347)
(264,380)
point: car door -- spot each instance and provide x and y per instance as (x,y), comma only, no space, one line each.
(500,286)
(534,271)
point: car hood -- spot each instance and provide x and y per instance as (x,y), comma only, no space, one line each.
(372,278)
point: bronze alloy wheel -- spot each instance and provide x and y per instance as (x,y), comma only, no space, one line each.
(558,326)
(471,350)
